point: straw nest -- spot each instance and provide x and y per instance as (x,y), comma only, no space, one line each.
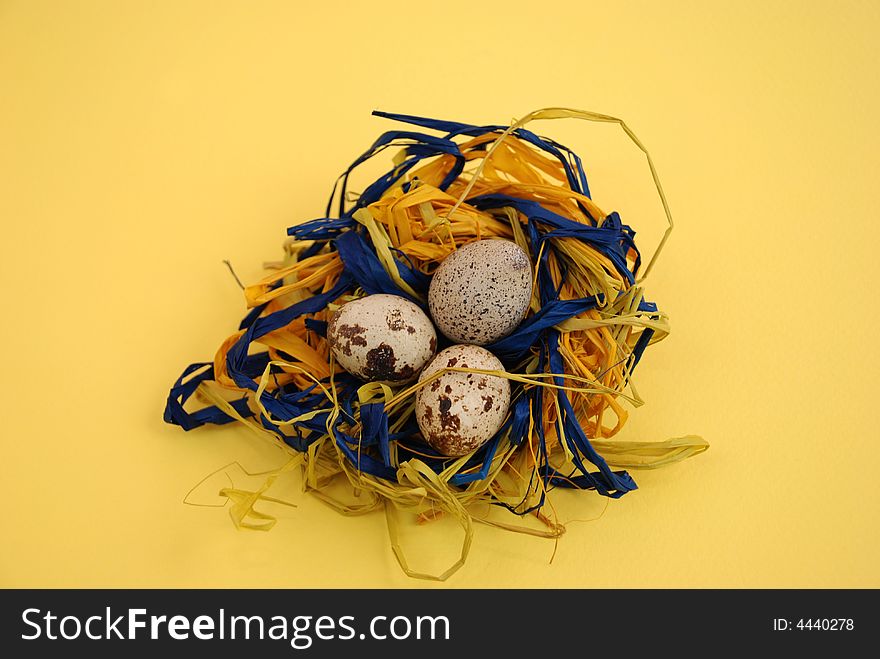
(570,362)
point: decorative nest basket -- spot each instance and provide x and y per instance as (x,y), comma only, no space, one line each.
(569,363)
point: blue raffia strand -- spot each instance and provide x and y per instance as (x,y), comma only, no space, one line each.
(363,273)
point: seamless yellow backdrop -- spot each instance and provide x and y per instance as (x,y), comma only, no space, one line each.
(141,143)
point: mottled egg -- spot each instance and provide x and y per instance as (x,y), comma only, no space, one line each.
(459,412)
(382,338)
(481,292)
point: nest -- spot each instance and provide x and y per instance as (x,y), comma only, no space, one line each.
(570,362)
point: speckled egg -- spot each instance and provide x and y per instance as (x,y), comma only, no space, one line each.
(459,412)
(382,338)
(481,292)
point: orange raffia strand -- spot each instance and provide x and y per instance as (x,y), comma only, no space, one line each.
(309,272)
(291,340)
(523,181)
(221,374)
(428,240)
(572,359)
(301,348)
(517,154)
(513,154)
(565,200)
(549,415)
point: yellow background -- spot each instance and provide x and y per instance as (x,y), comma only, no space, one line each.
(141,143)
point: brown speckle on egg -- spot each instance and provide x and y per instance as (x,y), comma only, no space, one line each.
(381,338)
(380,363)
(456,415)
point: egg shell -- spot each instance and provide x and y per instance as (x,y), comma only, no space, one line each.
(459,412)
(382,338)
(481,292)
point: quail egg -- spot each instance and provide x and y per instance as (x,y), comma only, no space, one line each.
(382,338)
(459,412)
(481,292)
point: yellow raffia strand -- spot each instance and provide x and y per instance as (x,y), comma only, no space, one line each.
(244,501)
(649,455)
(416,221)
